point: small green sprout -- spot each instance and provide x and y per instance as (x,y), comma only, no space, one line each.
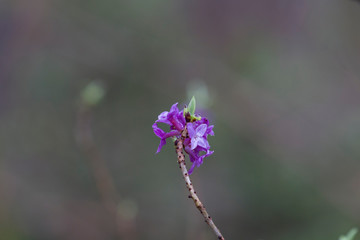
(189,111)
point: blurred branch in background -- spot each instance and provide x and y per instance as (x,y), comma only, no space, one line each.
(350,235)
(123,212)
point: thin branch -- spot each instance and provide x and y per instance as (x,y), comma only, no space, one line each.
(179,145)
(125,228)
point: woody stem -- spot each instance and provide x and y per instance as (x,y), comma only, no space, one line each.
(199,205)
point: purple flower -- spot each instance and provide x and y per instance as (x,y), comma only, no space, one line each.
(209,130)
(197,136)
(195,157)
(174,118)
(163,135)
(196,144)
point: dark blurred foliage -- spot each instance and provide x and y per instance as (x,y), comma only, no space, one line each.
(283,80)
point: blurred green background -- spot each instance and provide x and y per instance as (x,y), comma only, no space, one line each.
(279,79)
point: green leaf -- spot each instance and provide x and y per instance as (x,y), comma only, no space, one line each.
(192,106)
(350,236)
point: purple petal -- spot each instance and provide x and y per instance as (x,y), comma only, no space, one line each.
(194,143)
(174,108)
(158,131)
(177,125)
(162,143)
(208,153)
(195,158)
(163,121)
(199,161)
(191,130)
(163,115)
(210,130)
(192,168)
(203,121)
(187,143)
(174,119)
(199,149)
(171,134)
(196,163)
(200,130)
(192,153)
(181,118)
(163,118)
(202,142)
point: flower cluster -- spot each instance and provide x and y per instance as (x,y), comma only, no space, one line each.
(196,144)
